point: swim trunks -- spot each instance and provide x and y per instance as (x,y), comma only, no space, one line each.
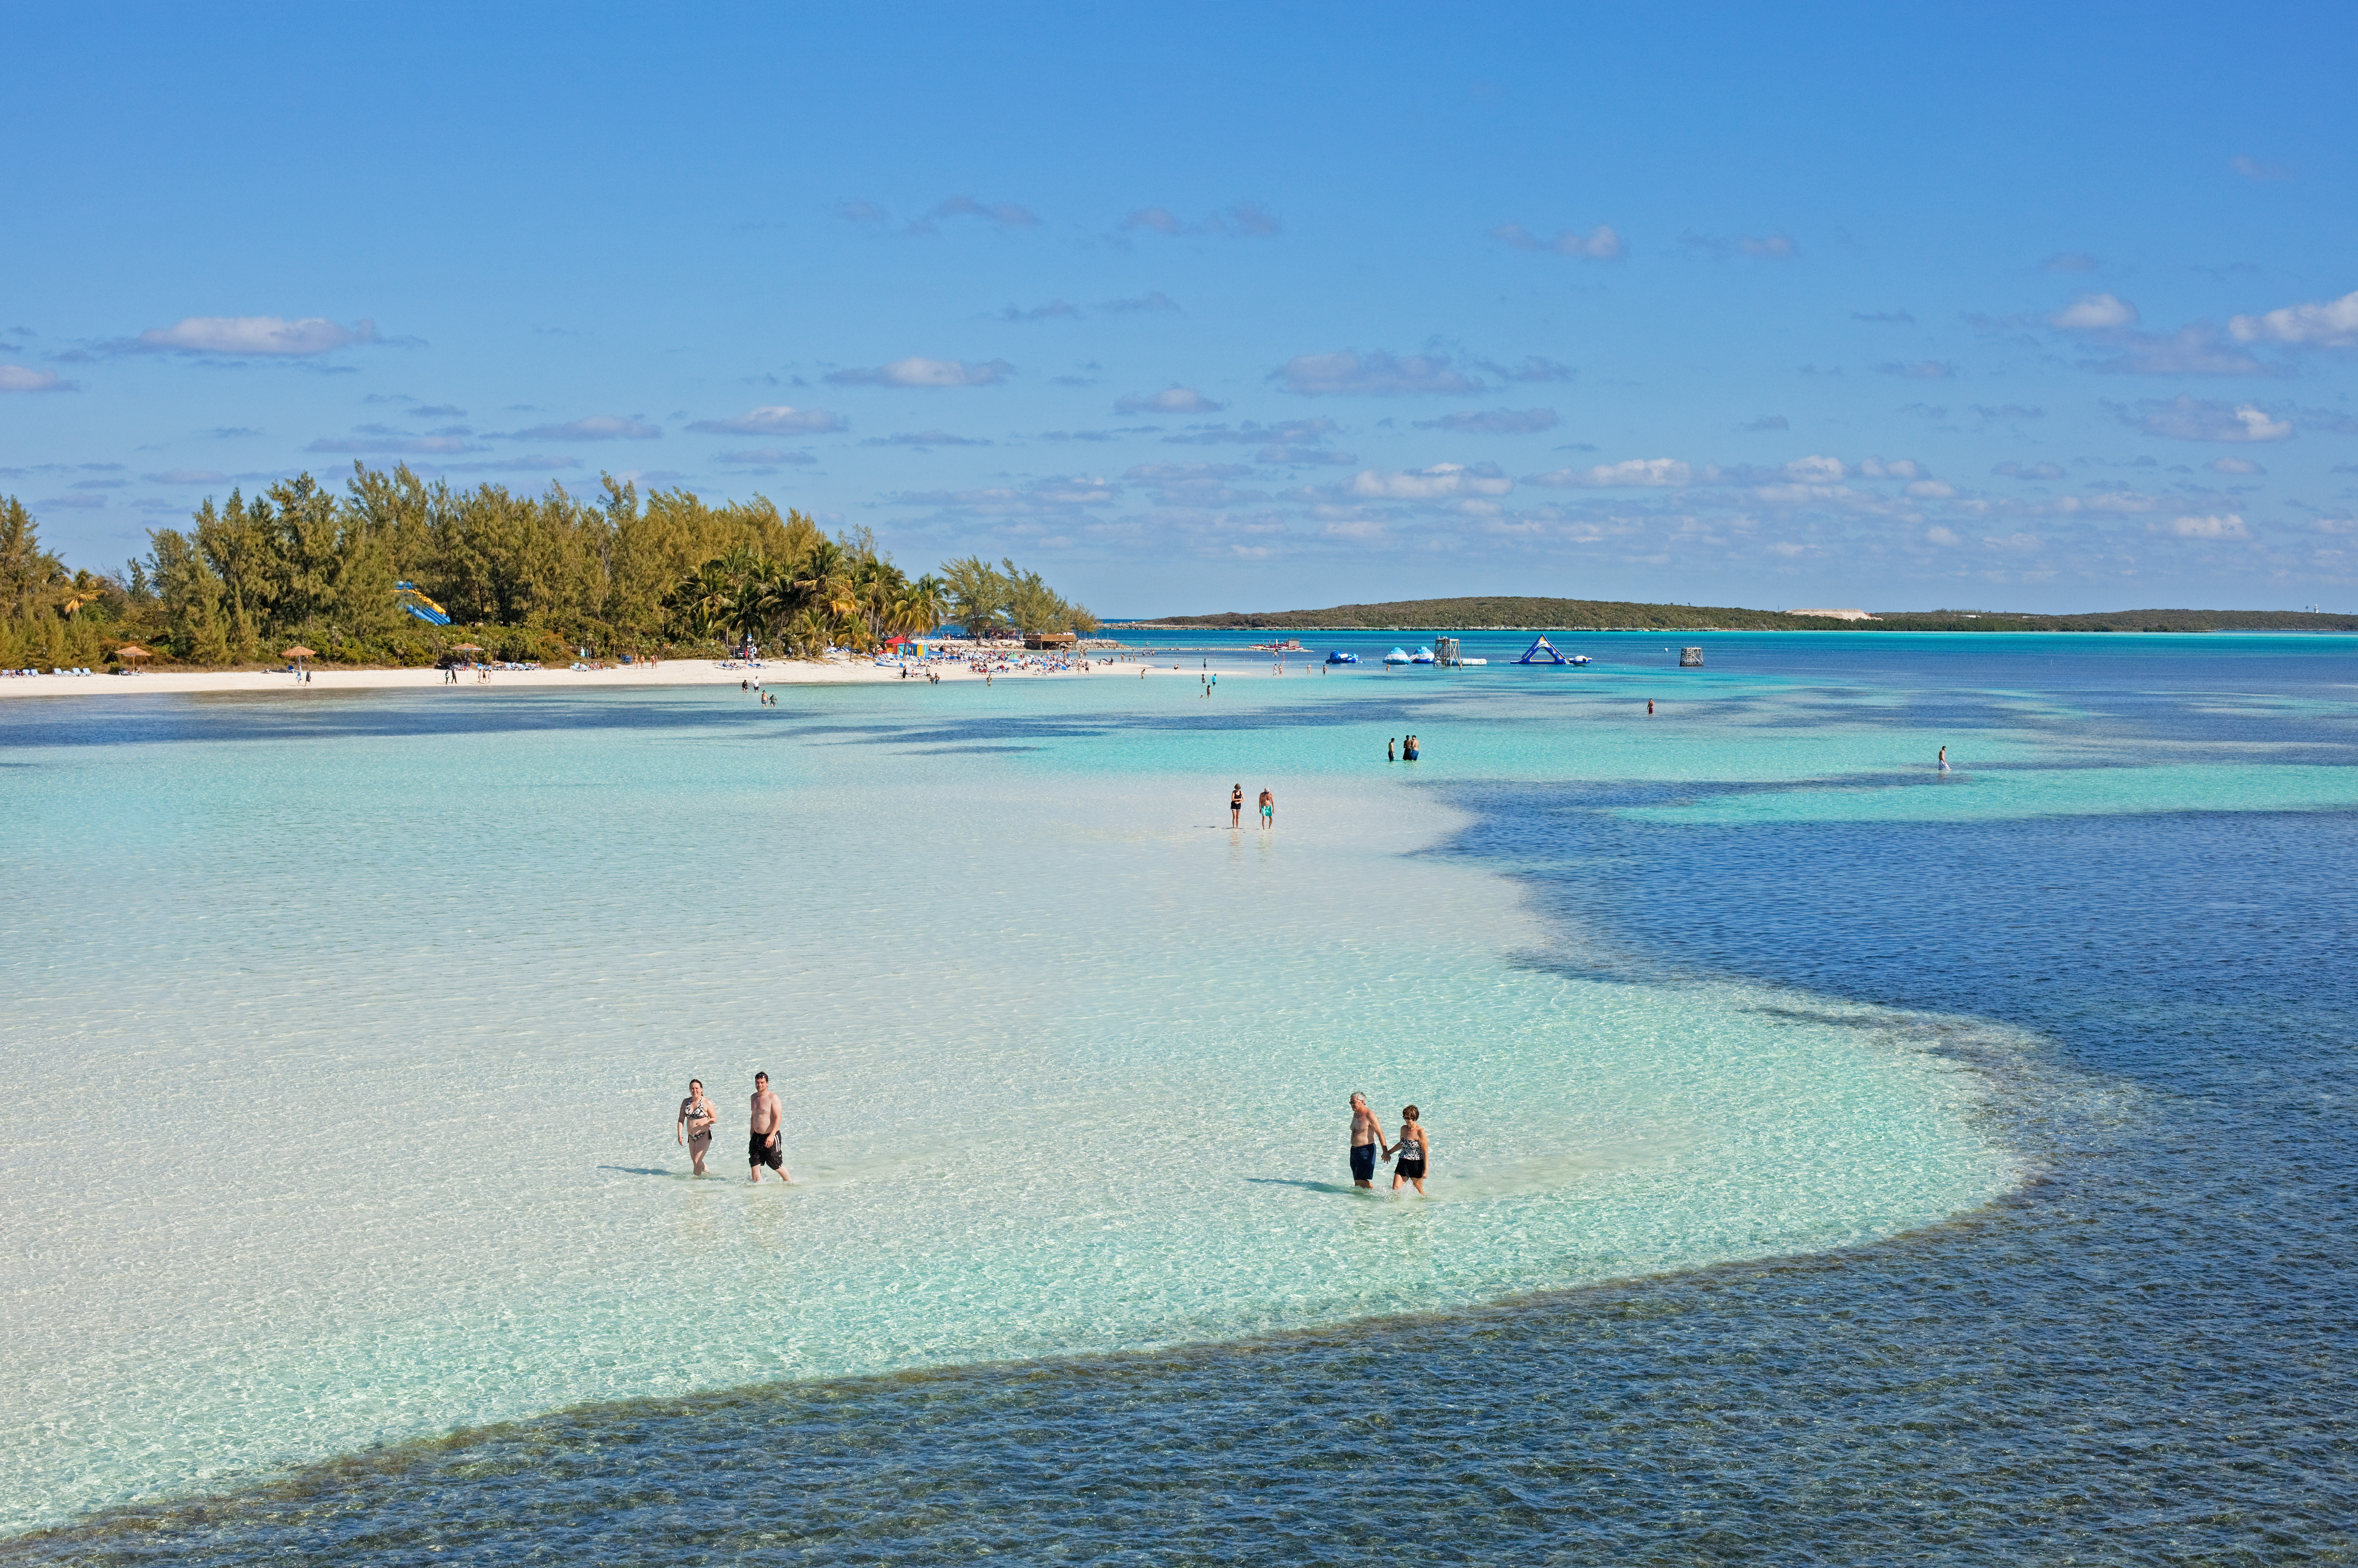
(1413,1170)
(1363,1162)
(759,1151)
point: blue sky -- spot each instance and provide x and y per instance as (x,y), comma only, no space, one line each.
(1232,307)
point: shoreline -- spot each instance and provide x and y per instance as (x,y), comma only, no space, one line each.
(664,673)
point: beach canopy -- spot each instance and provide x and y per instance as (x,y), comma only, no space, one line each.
(298,651)
(133,650)
(894,642)
(1542,652)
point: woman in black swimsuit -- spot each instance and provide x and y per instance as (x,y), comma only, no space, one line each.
(1410,1152)
(1236,807)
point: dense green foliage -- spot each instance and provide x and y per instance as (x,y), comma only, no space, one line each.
(1604,615)
(523,577)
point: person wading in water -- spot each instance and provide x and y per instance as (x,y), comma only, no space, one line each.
(1366,1138)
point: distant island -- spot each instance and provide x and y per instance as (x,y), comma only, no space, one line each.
(1613,615)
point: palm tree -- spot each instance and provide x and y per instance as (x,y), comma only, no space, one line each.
(922,606)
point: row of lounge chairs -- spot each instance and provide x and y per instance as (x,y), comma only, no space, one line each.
(54,672)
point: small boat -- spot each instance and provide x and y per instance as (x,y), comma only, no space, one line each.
(1422,656)
(1472,661)
(1396,656)
(1580,659)
(1340,657)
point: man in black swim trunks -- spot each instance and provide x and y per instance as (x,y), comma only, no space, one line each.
(1366,1138)
(764,1145)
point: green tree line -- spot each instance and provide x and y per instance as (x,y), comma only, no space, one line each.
(524,577)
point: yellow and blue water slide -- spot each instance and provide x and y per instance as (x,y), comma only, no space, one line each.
(417,605)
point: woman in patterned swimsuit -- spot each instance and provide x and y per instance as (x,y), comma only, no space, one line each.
(695,1125)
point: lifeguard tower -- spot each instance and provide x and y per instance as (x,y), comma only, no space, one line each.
(1444,652)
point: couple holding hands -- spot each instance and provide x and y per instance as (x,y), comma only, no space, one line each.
(1368,1136)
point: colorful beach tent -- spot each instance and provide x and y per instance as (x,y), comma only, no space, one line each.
(1542,652)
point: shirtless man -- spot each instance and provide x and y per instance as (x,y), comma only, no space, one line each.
(1367,1137)
(762,1146)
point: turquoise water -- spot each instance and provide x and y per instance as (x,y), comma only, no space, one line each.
(359,1024)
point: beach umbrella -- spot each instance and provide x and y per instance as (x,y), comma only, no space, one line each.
(133,650)
(296,653)
(466,647)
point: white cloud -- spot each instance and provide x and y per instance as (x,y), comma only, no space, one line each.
(763,456)
(2233,465)
(2187,418)
(1817,469)
(926,439)
(596,428)
(17,378)
(1649,472)
(392,443)
(1893,467)
(1438,482)
(1359,529)
(1942,536)
(774,420)
(1494,422)
(1600,243)
(2332,325)
(2095,313)
(1289,431)
(1170,400)
(1005,214)
(1243,221)
(2028,470)
(1346,373)
(1933,490)
(916,371)
(273,335)
(2228,526)
(1778,246)
(1535,367)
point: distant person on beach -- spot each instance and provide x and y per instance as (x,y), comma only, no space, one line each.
(1650,708)
(1366,1138)
(1408,751)
(1268,809)
(1944,758)
(1236,807)
(761,1145)
(1389,743)
(694,1128)
(1410,1151)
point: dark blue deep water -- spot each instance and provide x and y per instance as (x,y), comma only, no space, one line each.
(2149,1354)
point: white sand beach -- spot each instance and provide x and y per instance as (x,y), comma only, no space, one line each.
(1004,665)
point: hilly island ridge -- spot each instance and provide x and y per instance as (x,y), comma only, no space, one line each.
(1519,614)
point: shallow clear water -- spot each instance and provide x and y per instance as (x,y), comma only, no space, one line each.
(371,1069)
